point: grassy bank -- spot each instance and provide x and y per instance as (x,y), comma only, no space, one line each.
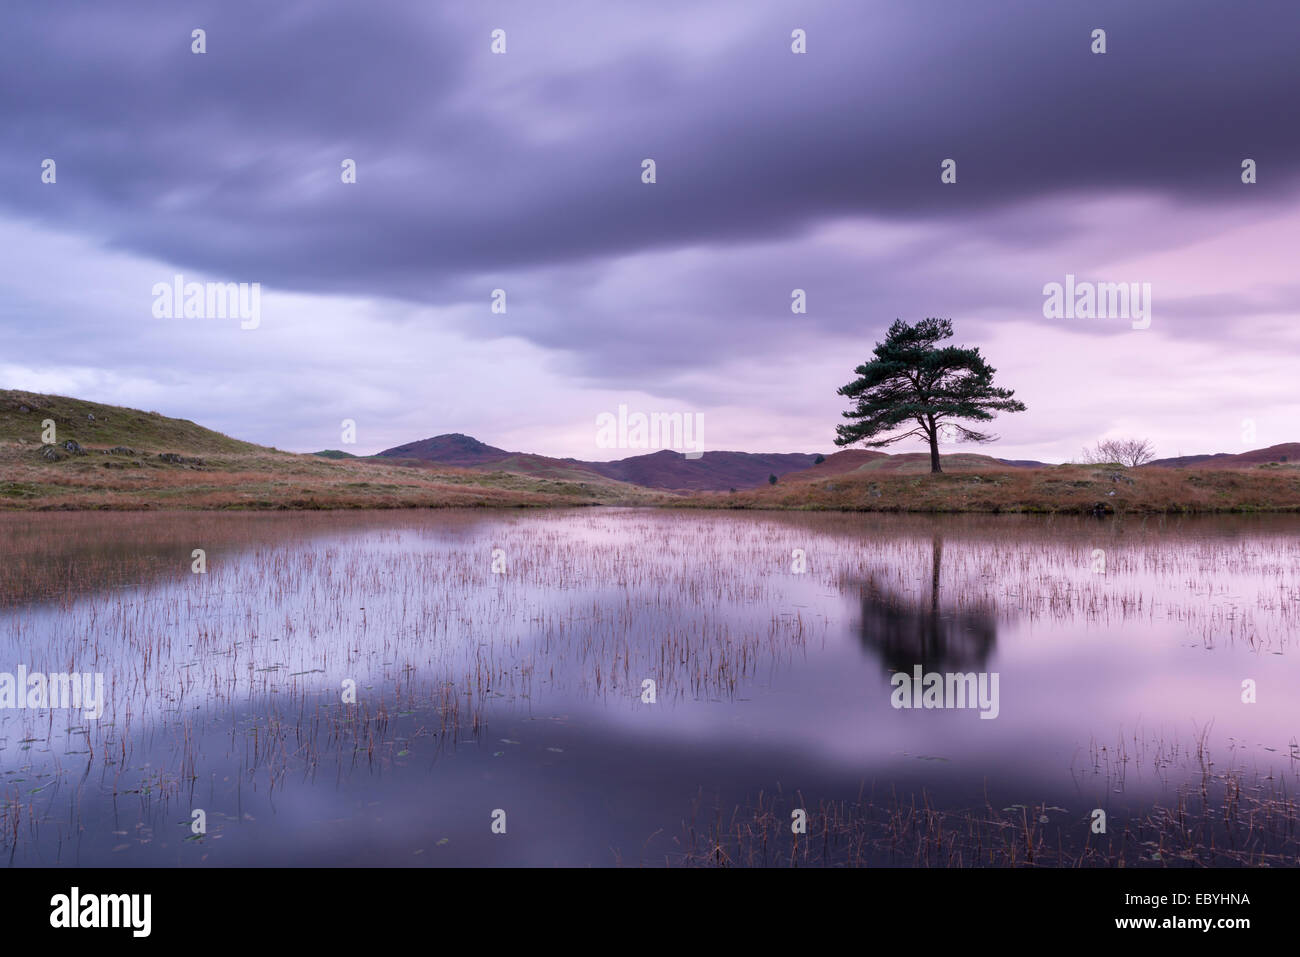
(1057,489)
(141,480)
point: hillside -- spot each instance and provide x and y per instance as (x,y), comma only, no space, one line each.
(111,457)
(94,425)
(840,463)
(1281,454)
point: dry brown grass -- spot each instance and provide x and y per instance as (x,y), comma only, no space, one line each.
(273,480)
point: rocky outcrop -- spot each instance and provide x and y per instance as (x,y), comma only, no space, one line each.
(171,458)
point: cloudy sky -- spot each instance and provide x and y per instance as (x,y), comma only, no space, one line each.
(774,170)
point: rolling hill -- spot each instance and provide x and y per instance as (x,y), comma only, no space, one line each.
(93,424)
(1281,454)
(450,449)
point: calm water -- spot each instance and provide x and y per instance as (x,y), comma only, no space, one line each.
(1119,688)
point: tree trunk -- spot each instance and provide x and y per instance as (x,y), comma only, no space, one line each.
(934,450)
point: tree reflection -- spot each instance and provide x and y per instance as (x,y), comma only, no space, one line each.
(905,631)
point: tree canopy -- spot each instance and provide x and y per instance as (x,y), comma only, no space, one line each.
(912,381)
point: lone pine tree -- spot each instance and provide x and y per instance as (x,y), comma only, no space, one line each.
(913,381)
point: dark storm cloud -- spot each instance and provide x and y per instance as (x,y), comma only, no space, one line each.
(229,161)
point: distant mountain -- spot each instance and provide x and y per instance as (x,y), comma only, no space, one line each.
(663,469)
(1287,452)
(450,449)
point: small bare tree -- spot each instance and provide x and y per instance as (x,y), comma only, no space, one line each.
(1135,452)
(1127,452)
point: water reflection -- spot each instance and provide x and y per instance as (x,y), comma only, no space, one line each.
(478,690)
(906,631)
